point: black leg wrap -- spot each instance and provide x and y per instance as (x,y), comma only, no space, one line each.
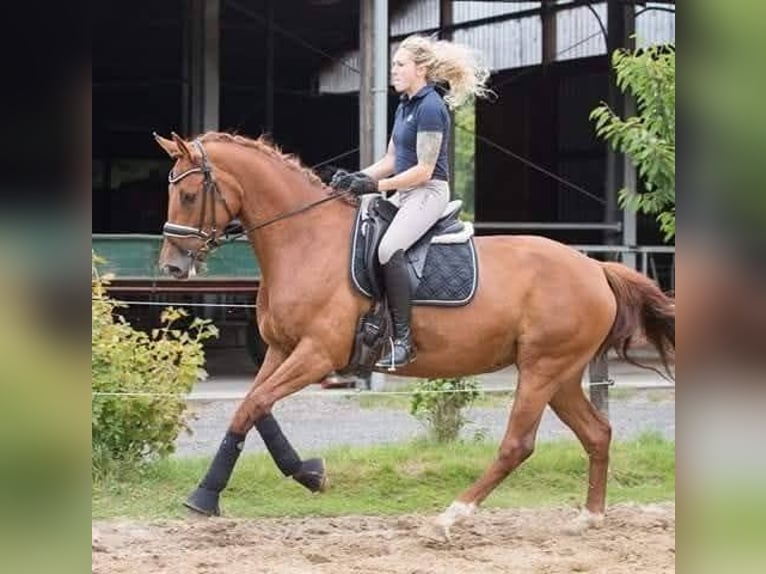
(205,498)
(312,475)
(284,455)
(204,501)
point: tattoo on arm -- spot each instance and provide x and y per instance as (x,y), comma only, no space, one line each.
(428,146)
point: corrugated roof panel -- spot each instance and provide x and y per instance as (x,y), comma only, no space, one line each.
(510,44)
(415,16)
(465,11)
(654,26)
(578,34)
(339,79)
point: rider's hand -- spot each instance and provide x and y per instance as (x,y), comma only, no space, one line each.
(363,184)
(340,179)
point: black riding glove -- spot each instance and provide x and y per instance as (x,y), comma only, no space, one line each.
(363,184)
(357,183)
(340,176)
(342,179)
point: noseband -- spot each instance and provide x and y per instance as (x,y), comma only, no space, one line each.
(210,194)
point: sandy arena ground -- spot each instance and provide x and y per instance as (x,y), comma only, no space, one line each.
(634,539)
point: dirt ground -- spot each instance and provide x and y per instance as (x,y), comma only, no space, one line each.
(633,539)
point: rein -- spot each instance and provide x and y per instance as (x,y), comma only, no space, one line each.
(329,197)
(213,239)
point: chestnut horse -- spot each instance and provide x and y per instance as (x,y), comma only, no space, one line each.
(539,304)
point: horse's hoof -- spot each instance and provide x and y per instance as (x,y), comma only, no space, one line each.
(312,475)
(434,531)
(204,501)
(584,521)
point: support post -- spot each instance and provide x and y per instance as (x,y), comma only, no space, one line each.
(629,225)
(211,59)
(268,122)
(380,79)
(445,20)
(549,31)
(598,375)
(365,83)
(187,11)
(201,83)
(620,26)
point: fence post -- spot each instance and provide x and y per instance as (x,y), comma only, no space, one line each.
(598,374)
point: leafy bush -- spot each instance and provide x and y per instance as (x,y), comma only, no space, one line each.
(439,404)
(156,369)
(649,137)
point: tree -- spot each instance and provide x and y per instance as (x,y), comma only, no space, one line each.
(649,138)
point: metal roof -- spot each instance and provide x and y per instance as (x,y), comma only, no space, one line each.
(512,43)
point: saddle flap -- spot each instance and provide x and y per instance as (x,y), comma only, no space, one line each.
(380,208)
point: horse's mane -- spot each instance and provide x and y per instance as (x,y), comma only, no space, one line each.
(267,147)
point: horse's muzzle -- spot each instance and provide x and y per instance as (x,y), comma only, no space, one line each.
(175,271)
(175,262)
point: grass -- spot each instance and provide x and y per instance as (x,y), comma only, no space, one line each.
(394,479)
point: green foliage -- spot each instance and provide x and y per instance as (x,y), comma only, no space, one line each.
(439,404)
(159,367)
(465,128)
(649,138)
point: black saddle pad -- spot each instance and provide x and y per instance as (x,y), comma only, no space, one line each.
(449,277)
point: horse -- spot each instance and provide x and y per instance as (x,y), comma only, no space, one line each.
(539,304)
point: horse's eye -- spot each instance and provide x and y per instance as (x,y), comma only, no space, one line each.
(188,197)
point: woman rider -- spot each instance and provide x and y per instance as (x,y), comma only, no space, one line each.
(416,165)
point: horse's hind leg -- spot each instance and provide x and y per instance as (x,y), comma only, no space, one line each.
(595,433)
(276,379)
(534,391)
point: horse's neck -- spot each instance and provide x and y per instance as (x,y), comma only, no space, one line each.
(299,243)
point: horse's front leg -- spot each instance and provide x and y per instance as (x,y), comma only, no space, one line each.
(277,378)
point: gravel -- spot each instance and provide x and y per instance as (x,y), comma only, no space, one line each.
(315,421)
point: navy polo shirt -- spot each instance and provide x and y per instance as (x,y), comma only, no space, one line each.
(423,112)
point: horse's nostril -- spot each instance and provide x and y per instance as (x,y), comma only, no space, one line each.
(173,270)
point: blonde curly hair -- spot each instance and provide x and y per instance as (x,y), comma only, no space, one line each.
(458,64)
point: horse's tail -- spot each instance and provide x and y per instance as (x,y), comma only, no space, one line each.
(641,307)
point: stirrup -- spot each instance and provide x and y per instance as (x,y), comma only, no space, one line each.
(389,362)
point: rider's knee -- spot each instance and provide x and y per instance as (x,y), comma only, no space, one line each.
(386,250)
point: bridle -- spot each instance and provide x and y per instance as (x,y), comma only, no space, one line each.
(210,193)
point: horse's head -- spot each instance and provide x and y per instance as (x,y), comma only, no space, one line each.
(202,200)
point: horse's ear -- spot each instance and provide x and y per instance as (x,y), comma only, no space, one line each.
(182,147)
(169,146)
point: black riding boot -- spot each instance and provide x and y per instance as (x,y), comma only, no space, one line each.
(397,282)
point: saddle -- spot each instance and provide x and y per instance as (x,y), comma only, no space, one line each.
(441,264)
